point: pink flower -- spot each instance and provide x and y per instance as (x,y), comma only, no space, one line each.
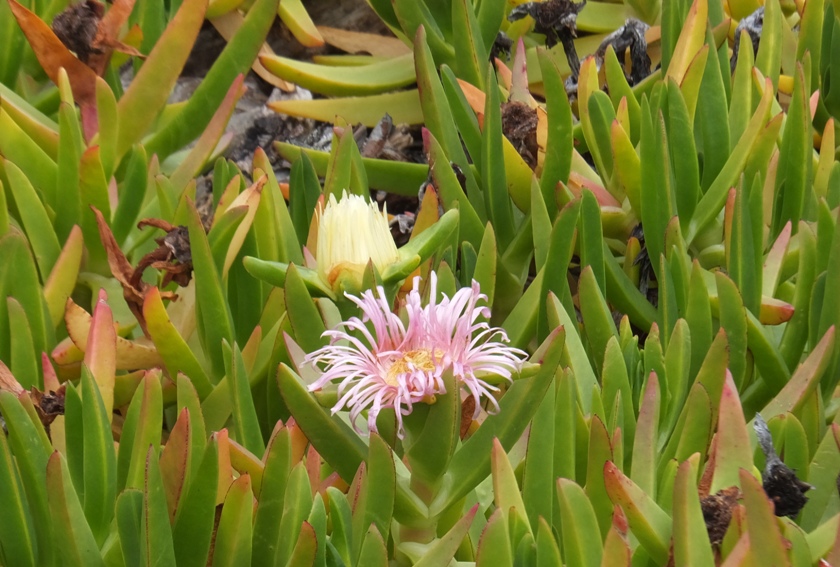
(389,364)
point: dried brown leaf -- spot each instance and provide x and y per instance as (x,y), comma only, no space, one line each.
(120,266)
(107,36)
(53,55)
(172,256)
(361,42)
(49,405)
(8,381)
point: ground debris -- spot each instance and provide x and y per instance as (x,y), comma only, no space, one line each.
(557,20)
(717,512)
(753,25)
(173,255)
(519,125)
(780,482)
(629,36)
(76,28)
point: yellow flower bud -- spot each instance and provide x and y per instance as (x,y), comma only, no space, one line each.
(352,232)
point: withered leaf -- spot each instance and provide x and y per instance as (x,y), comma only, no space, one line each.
(107,36)
(49,405)
(52,54)
(131,279)
(467,412)
(86,29)
(360,42)
(120,266)
(173,254)
(8,381)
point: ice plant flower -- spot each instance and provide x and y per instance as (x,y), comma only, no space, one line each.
(380,362)
(351,235)
(352,232)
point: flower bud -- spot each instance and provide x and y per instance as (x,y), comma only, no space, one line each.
(352,232)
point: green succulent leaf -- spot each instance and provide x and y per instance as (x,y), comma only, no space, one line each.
(141,430)
(494,546)
(370,79)
(233,538)
(402,106)
(296,507)
(471,463)
(19,279)
(212,311)
(373,551)
(138,107)
(419,249)
(768,60)
(804,380)
(17,532)
(100,460)
(155,533)
(579,527)
(822,472)
(505,488)
(648,522)
(760,519)
(432,434)
(271,496)
(538,476)
(245,423)
(374,501)
(73,534)
(732,448)
(444,549)
(17,147)
(643,471)
(599,324)
(237,57)
(31,449)
(468,42)
(335,440)
(34,218)
(194,522)
(129,516)
(715,196)
(691,540)
(306,548)
(397,177)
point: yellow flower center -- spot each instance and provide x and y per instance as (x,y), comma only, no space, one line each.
(419,359)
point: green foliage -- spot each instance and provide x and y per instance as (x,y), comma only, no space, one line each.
(667,259)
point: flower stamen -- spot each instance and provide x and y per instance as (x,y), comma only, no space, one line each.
(418,359)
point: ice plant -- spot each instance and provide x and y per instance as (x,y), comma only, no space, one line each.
(351,233)
(396,364)
(353,237)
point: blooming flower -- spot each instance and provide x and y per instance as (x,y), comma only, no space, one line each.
(380,362)
(351,233)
